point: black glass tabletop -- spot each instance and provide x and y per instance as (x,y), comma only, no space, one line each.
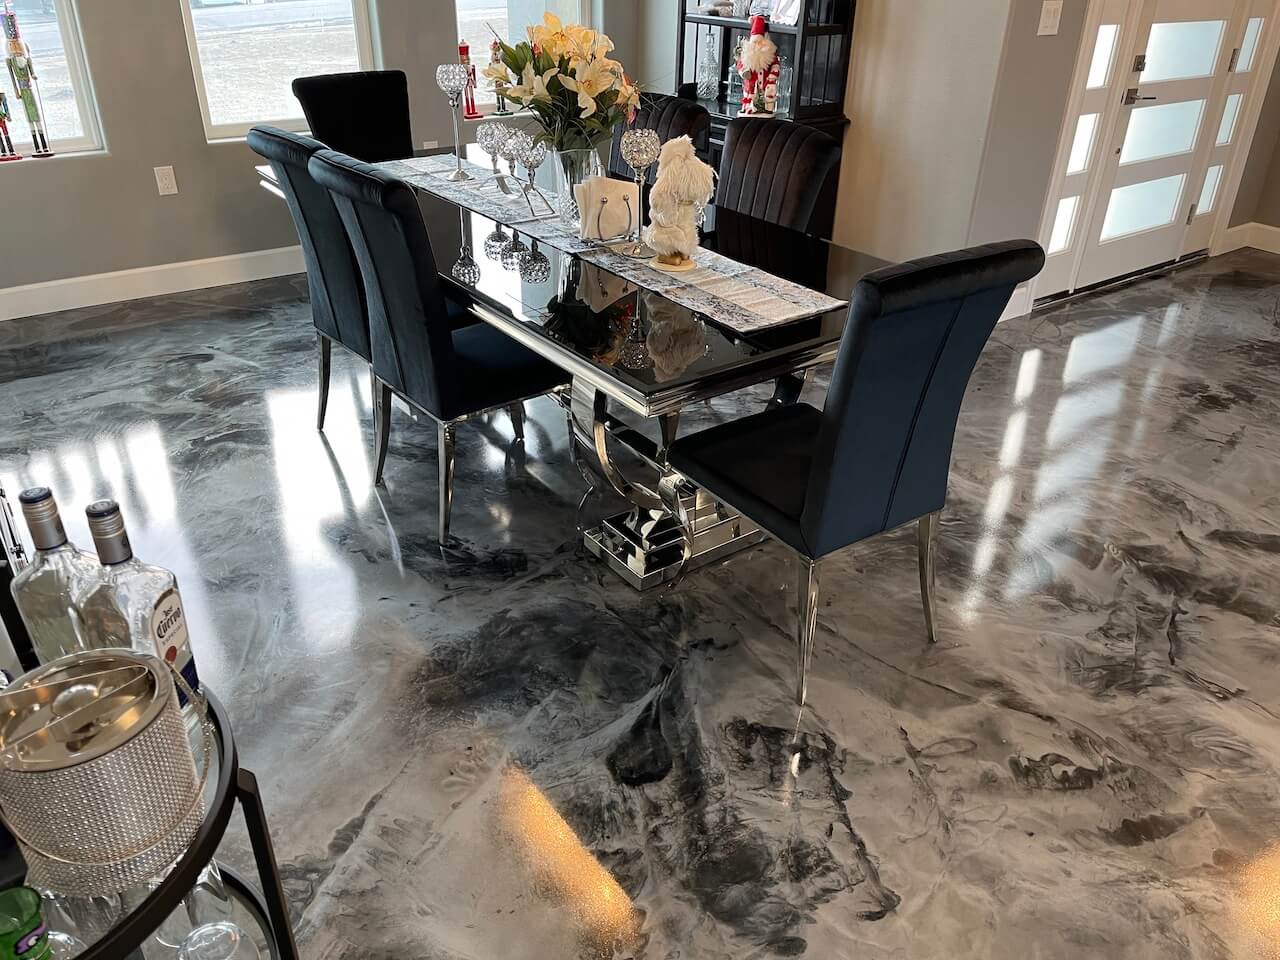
(636,344)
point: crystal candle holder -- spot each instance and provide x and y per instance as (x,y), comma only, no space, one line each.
(452,79)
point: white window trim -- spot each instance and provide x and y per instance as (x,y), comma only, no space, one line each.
(81,88)
(362,20)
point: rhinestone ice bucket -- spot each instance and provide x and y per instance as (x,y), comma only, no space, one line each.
(97,779)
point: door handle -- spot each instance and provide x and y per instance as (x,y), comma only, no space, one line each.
(1131,97)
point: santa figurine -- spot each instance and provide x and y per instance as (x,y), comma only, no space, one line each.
(758,65)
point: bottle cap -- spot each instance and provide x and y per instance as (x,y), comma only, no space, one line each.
(107,527)
(41,513)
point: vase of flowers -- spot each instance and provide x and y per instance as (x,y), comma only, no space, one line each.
(576,93)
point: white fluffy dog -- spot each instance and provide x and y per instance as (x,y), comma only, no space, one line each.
(683,182)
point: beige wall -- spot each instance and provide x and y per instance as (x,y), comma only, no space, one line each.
(921,88)
(1258,199)
(1031,95)
(100,213)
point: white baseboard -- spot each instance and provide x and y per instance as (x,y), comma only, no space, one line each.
(1019,303)
(88,291)
(1260,236)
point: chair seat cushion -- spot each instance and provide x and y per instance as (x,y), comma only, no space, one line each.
(759,464)
(493,370)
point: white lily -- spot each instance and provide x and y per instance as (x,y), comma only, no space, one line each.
(532,86)
(591,80)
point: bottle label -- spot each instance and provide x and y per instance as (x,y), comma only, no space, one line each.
(169,627)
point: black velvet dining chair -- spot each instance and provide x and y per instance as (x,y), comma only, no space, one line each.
(422,352)
(780,172)
(671,117)
(363,114)
(333,277)
(877,455)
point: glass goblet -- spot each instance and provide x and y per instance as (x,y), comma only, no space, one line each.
(534,266)
(452,79)
(488,136)
(495,243)
(640,149)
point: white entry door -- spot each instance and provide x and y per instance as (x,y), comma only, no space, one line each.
(1159,101)
(1146,199)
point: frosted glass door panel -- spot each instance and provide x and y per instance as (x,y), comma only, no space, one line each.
(1142,206)
(1082,144)
(1244,62)
(1209,195)
(1162,131)
(1176,51)
(1227,128)
(1103,50)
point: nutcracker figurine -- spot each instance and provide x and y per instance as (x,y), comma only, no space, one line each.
(25,84)
(496,70)
(759,66)
(469,95)
(7,149)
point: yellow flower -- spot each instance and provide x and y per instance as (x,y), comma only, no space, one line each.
(550,36)
(497,72)
(592,79)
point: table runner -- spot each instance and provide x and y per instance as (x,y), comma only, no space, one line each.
(736,295)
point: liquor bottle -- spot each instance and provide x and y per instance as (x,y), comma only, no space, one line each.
(134,604)
(44,591)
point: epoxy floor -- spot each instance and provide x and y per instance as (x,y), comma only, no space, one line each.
(499,750)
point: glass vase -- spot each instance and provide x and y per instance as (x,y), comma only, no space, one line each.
(574,167)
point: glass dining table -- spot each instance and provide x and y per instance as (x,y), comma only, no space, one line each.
(764,305)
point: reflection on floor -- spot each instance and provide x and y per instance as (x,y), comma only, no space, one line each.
(501,751)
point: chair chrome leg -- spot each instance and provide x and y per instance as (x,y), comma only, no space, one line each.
(382,429)
(926,535)
(516,412)
(325,350)
(807,623)
(445,435)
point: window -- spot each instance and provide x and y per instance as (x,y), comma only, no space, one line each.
(51,31)
(479,20)
(1249,46)
(246,54)
(1103,49)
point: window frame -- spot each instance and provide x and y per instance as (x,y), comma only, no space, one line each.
(366,56)
(91,140)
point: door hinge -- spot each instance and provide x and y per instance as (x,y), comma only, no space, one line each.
(1235,58)
(1139,63)
(1191,214)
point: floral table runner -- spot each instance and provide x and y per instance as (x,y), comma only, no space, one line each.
(735,295)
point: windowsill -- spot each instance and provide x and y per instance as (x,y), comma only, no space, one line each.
(27,158)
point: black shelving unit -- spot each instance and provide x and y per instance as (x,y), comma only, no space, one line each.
(818,47)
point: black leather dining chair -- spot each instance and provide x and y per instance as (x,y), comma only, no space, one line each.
(363,114)
(671,117)
(421,352)
(333,277)
(878,453)
(779,171)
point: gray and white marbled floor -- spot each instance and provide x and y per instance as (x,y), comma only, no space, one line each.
(499,750)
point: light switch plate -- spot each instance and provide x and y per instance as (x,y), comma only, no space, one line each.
(166,182)
(1050,17)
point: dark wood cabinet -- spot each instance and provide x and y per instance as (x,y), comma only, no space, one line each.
(817,49)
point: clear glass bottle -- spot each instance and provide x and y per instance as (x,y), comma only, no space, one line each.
(708,70)
(134,604)
(45,590)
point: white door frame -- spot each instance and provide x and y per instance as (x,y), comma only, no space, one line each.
(1260,76)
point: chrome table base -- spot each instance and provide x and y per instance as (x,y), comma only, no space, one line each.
(644,547)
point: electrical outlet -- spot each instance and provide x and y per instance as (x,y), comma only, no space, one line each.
(430,144)
(166,182)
